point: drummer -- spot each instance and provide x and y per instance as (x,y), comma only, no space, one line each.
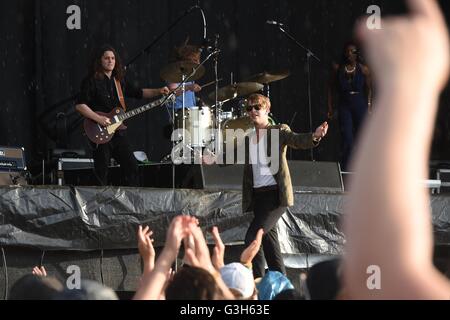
(192,54)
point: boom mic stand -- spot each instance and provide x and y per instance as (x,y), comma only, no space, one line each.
(309,55)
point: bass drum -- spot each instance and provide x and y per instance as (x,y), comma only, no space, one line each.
(198,125)
(238,128)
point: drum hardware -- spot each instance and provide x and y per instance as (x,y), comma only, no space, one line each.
(182,72)
(269,77)
(210,83)
(176,71)
(266,78)
(243,123)
(237,90)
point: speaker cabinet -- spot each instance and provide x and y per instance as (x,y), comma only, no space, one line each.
(305,176)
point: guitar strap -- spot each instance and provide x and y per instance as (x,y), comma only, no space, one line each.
(120,94)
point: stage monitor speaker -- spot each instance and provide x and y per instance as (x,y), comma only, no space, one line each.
(305,176)
(316,176)
(215,177)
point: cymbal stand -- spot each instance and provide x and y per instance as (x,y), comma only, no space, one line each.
(185,78)
(183,106)
(218,141)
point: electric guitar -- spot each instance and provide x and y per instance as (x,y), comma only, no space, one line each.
(103,134)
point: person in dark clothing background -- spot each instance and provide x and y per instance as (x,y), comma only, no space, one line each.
(351,84)
(100,93)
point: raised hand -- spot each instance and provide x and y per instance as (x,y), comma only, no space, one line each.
(321,131)
(146,249)
(39,271)
(200,256)
(218,251)
(388,214)
(153,282)
(178,229)
(408,48)
(250,252)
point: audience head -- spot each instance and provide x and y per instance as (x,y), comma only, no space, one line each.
(192,283)
(239,279)
(272,284)
(289,294)
(323,280)
(90,290)
(33,287)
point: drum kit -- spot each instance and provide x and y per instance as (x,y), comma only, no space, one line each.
(197,126)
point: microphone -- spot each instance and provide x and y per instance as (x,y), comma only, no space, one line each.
(274,23)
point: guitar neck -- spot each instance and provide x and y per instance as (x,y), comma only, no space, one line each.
(142,109)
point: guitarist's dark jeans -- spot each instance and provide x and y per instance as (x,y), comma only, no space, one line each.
(119,149)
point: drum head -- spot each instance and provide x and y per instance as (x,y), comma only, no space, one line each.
(198,124)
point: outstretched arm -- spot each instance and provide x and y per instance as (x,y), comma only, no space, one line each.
(303,140)
(150,93)
(388,218)
(153,282)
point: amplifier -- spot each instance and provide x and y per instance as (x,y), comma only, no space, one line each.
(12,159)
(68,164)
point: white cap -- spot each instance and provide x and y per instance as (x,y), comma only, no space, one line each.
(238,277)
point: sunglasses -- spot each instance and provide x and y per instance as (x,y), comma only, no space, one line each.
(257,107)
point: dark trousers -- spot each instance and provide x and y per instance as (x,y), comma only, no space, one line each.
(350,120)
(119,149)
(266,214)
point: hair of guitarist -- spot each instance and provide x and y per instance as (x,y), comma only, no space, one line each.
(96,68)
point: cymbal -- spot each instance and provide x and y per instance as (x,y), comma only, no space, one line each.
(268,77)
(236,90)
(175,71)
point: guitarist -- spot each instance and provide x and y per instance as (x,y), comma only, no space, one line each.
(100,92)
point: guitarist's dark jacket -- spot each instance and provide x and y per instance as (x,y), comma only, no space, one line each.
(101,95)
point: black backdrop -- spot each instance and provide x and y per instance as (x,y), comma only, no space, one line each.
(42,62)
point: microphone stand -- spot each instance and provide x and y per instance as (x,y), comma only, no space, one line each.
(218,132)
(309,55)
(156,40)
